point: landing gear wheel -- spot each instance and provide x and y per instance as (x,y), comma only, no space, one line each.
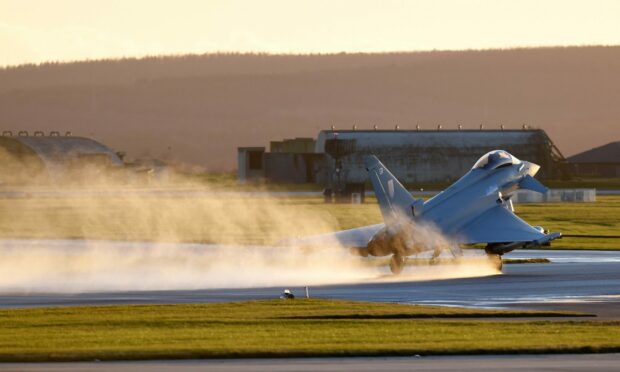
(397,263)
(496,259)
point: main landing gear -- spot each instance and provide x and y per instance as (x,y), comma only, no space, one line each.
(496,260)
(397,263)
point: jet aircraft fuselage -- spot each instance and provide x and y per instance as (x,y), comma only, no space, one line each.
(475,209)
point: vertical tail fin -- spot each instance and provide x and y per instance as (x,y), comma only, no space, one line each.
(394,200)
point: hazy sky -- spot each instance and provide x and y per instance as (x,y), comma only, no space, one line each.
(61,30)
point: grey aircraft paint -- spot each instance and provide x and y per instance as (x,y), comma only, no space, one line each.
(475,209)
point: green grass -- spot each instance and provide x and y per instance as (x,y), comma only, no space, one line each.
(601,218)
(574,182)
(228,181)
(259,220)
(286,329)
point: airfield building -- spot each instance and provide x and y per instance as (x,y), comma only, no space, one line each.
(288,161)
(416,157)
(602,161)
(33,159)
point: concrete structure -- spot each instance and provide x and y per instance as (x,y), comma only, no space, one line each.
(292,167)
(417,157)
(39,158)
(293,146)
(603,161)
(250,163)
(289,161)
(555,196)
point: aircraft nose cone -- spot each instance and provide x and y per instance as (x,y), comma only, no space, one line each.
(532,168)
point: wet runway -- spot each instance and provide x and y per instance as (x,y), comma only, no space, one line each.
(581,280)
(591,362)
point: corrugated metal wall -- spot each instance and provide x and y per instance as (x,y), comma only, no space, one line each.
(429,156)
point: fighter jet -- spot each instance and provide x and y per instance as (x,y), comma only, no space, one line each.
(475,209)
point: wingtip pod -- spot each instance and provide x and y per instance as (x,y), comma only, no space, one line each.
(549,237)
(545,239)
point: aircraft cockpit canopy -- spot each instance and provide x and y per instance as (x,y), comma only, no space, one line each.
(495,159)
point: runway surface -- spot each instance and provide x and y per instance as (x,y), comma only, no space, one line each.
(576,280)
(591,362)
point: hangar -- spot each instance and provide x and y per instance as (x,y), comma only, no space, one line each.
(26,159)
(417,157)
(602,161)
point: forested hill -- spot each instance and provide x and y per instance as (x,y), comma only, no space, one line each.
(198,109)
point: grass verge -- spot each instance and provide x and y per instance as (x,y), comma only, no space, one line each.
(511,261)
(260,220)
(277,328)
